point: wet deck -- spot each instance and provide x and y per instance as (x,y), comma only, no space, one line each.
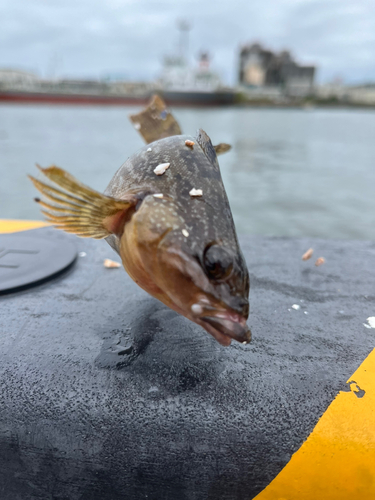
(107,394)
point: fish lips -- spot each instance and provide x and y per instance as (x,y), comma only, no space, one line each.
(225,329)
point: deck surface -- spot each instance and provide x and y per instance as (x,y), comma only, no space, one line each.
(106,394)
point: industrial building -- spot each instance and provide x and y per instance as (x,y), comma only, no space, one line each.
(262,68)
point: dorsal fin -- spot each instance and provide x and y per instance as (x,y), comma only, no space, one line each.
(205,143)
(155,121)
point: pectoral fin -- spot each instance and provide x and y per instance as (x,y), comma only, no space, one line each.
(155,122)
(81,210)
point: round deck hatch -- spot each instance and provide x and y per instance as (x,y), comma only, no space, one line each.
(31,258)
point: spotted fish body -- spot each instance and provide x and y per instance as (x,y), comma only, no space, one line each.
(180,248)
(206,218)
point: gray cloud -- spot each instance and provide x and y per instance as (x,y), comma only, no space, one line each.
(91,38)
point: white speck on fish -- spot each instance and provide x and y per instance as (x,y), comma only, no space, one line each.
(158,195)
(160,169)
(196,309)
(149,150)
(305,312)
(196,192)
(185,233)
(296,307)
(137,126)
(82,254)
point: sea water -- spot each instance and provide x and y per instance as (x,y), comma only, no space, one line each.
(291,172)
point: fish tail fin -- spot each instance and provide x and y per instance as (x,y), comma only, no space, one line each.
(78,209)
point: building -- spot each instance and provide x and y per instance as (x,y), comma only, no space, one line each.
(260,68)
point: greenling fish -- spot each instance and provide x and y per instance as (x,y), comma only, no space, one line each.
(167,215)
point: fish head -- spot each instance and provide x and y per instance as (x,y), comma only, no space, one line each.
(209,283)
(189,267)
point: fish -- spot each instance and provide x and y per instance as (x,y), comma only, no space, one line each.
(174,230)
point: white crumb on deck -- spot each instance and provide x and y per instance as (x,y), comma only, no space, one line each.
(108,263)
(370,322)
(320,261)
(308,254)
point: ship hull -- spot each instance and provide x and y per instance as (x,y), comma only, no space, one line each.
(173,98)
(180,98)
(74,99)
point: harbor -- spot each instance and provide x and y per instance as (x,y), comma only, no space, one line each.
(264,78)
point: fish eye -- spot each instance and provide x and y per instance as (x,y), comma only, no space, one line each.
(218,262)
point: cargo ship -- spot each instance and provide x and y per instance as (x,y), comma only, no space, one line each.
(179,84)
(172,98)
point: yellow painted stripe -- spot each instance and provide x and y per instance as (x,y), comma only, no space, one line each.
(337,461)
(13,226)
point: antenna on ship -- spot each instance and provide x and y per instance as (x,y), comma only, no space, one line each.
(184,28)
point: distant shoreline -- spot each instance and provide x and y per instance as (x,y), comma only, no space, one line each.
(181,100)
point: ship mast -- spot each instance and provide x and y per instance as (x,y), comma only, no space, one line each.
(184,28)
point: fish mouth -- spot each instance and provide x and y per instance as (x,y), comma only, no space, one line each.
(224,328)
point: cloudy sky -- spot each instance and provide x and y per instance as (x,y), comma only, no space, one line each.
(95,38)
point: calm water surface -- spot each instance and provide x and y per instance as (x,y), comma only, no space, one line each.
(290,172)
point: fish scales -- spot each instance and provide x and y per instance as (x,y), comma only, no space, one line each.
(189,168)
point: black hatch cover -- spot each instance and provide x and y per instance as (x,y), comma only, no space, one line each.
(32,257)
